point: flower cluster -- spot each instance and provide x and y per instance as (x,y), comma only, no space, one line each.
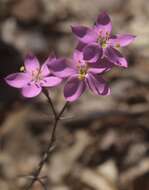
(95,54)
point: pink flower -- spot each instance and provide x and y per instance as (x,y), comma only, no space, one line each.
(33,79)
(100,34)
(86,74)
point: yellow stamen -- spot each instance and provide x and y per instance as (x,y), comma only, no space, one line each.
(103,40)
(22,69)
(82,73)
(104,45)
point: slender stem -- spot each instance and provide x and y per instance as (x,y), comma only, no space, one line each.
(36,173)
(46,93)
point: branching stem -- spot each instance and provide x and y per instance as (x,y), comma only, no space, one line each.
(44,159)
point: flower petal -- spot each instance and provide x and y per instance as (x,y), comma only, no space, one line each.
(78,56)
(116,57)
(44,69)
(85,34)
(80,46)
(121,40)
(31,90)
(92,52)
(103,24)
(97,85)
(60,68)
(31,64)
(51,81)
(101,66)
(74,89)
(18,80)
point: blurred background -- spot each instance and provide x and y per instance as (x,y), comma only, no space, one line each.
(102,142)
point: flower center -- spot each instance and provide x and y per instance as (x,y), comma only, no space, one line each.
(82,74)
(102,39)
(103,43)
(36,76)
(82,71)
